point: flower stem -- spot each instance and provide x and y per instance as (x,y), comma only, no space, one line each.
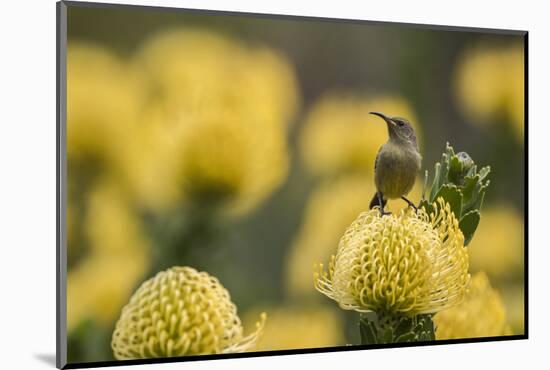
(389,327)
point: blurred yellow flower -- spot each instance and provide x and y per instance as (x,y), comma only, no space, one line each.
(196,69)
(180,312)
(207,157)
(115,258)
(329,212)
(490,82)
(481,314)
(215,129)
(408,263)
(227,158)
(112,225)
(514,300)
(292,327)
(340,135)
(189,69)
(497,247)
(103,102)
(100,285)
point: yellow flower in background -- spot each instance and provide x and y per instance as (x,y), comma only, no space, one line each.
(340,135)
(216,125)
(299,327)
(207,157)
(100,285)
(112,225)
(482,314)
(513,296)
(193,69)
(103,102)
(408,263)
(223,157)
(329,212)
(490,82)
(497,247)
(115,258)
(180,312)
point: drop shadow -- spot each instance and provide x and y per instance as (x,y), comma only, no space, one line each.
(47,358)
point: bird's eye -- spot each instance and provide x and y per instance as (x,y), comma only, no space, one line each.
(400,123)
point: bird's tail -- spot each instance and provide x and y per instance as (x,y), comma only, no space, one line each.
(376,202)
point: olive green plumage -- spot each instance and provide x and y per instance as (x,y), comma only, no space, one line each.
(397,162)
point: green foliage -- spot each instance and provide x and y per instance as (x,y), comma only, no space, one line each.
(457,180)
(380,329)
(89,341)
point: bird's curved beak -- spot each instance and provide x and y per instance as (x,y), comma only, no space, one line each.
(384,117)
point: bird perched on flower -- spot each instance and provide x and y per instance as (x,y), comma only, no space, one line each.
(408,263)
(397,163)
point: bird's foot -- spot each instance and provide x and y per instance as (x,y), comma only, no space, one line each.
(411,204)
(384,213)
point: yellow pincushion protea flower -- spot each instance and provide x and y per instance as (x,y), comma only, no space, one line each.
(407,263)
(490,241)
(198,157)
(490,81)
(482,314)
(329,211)
(180,312)
(104,98)
(215,127)
(108,258)
(190,68)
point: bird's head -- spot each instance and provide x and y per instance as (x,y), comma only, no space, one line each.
(399,129)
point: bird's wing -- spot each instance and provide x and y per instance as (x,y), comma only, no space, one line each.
(376,160)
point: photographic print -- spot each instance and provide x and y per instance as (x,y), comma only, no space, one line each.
(247,184)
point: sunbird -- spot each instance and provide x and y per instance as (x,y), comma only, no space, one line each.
(397,163)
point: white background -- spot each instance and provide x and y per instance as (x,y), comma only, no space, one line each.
(27,183)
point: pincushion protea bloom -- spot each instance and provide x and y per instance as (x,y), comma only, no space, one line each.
(180,312)
(482,314)
(408,263)
(330,210)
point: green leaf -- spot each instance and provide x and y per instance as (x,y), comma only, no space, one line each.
(468,224)
(476,203)
(449,149)
(425,329)
(443,179)
(484,172)
(453,196)
(472,171)
(479,202)
(436,182)
(458,181)
(425,185)
(428,207)
(367,331)
(468,189)
(404,326)
(407,337)
(429,325)
(455,170)
(387,336)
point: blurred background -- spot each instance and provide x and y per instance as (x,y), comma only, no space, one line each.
(242,146)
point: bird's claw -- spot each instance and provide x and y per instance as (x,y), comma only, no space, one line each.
(410,204)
